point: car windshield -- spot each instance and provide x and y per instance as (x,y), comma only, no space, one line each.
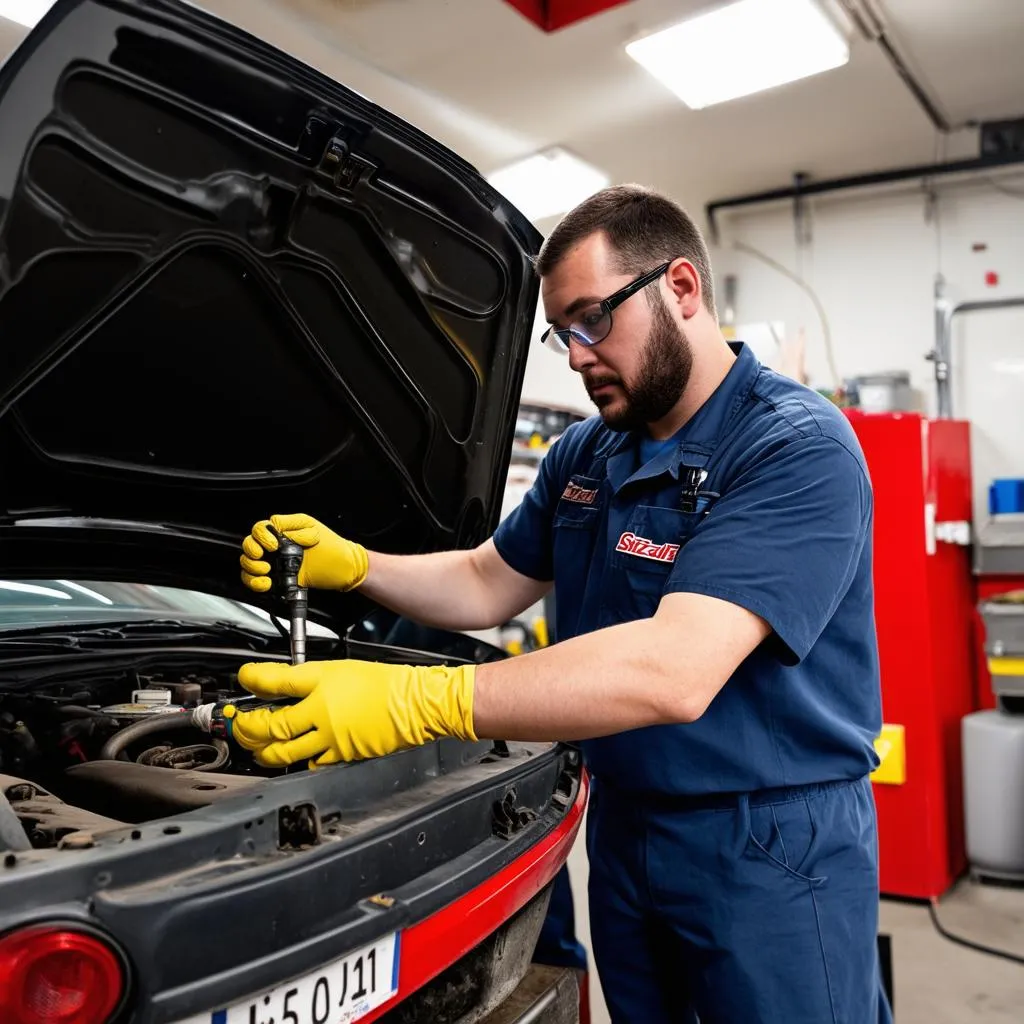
(39,603)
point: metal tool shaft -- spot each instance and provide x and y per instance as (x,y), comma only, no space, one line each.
(289,562)
(298,630)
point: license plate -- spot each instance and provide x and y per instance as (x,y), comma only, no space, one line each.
(337,993)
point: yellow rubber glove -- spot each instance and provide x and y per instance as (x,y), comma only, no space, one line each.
(351,710)
(329,562)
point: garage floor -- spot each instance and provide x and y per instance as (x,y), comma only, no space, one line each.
(937,981)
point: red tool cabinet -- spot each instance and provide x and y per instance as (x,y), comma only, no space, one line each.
(924,609)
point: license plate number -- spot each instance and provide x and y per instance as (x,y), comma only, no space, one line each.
(337,993)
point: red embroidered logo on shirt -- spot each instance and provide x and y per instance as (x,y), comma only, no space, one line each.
(582,495)
(631,544)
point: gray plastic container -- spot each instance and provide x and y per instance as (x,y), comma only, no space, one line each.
(993,759)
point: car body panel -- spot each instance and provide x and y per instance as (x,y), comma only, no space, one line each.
(295,300)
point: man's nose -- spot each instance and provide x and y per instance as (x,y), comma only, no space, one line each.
(581,357)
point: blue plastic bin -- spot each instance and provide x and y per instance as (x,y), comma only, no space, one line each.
(1006,496)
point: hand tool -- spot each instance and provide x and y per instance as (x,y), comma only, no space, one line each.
(294,597)
(216,718)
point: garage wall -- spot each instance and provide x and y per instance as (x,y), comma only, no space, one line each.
(872,261)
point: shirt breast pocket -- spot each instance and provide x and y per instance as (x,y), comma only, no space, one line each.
(571,516)
(648,548)
(575,527)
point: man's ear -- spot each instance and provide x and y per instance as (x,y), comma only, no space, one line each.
(684,283)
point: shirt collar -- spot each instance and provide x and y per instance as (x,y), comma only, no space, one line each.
(700,435)
(708,423)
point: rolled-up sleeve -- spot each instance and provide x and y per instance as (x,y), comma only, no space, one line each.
(784,540)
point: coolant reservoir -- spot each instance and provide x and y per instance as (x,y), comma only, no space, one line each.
(143,704)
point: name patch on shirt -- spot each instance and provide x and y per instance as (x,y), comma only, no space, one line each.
(631,544)
(581,495)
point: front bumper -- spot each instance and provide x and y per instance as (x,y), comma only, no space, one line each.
(213,906)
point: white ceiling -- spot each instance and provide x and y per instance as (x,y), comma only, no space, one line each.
(481,78)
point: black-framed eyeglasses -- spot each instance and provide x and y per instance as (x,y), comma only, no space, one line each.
(594,323)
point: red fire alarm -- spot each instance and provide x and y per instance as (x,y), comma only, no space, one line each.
(551,15)
(991,278)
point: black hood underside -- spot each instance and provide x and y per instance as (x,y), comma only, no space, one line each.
(230,287)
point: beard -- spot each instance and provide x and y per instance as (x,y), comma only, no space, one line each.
(664,372)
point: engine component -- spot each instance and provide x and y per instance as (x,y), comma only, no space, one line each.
(142,792)
(142,706)
(45,819)
(136,745)
(186,694)
(12,834)
(200,757)
(17,743)
(157,697)
(117,743)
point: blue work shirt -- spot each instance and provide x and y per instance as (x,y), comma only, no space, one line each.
(762,499)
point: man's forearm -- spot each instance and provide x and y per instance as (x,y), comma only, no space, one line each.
(459,590)
(594,685)
(656,671)
(438,589)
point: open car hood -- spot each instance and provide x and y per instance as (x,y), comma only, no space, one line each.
(230,287)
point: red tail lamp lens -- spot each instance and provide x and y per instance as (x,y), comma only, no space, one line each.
(56,976)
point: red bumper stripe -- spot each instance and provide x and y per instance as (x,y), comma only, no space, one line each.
(443,938)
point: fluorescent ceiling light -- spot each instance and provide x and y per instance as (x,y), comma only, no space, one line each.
(741,49)
(24,12)
(32,588)
(548,183)
(88,591)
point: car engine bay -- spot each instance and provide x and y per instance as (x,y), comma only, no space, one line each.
(114,747)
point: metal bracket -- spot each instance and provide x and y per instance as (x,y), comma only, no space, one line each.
(801,217)
(508,818)
(345,169)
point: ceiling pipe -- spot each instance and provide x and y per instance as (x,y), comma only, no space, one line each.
(810,188)
(868,19)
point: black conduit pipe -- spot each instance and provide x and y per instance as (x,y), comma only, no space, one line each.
(161,722)
(812,188)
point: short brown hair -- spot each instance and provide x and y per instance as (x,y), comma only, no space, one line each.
(643,228)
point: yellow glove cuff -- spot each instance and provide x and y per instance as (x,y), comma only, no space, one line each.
(360,566)
(441,698)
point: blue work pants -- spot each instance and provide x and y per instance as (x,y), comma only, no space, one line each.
(761,910)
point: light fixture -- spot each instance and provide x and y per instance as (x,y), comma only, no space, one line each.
(34,589)
(548,183)
(93,595)
(24,12)
(741,49)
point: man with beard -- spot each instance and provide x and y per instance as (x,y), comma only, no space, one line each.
(708,535)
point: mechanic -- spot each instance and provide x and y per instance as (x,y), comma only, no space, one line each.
(708,535)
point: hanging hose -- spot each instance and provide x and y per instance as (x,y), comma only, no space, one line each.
(116,745)
(1003,954)
(826,331)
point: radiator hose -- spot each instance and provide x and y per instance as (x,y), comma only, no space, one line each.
(207,718)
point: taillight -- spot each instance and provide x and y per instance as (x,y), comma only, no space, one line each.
(51,975)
